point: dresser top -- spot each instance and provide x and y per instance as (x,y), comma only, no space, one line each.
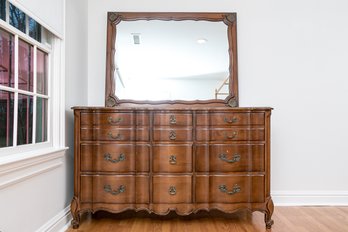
(170,108)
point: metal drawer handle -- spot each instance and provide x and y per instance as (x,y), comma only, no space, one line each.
(121,157)
(111,120)
(235,189)
(172,190)
(172,135)
(108,189)
(234,134)
(232,120)
(172,159)
(235,158)
(172,119)
(116,137)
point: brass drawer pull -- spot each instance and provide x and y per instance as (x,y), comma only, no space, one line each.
(116,137)
(121,157)
(108,189)
(172,159)
(111,120)
(235,158)
(234,135)
(235,189)
(232,120)
(172,119)
(172,135)
(172,190)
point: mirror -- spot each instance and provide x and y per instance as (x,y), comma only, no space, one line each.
(169,58)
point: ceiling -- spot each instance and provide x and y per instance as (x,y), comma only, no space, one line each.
(169,49)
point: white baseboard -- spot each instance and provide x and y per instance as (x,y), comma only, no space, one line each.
(310,198)
(58,223)
(61,221)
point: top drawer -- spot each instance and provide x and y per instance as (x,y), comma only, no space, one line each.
(172,119)
(115,119)
(230,119)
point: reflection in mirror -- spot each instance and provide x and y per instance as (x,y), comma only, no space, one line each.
(171,60)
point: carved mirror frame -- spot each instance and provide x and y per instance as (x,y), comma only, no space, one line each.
(114,18)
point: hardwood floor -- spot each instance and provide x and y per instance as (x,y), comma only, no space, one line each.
(287,219)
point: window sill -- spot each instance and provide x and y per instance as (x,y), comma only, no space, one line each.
(24,159)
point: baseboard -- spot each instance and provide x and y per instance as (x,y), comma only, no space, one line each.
(58,223)
(310,198)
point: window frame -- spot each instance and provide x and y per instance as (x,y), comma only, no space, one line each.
(46,48)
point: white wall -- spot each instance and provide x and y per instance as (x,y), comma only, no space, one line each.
(76,77)
(292,56)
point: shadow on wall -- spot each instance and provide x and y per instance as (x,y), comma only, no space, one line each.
(69,157)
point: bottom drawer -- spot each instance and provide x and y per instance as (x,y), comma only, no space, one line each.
(115,189)
(230,189)
(172,189)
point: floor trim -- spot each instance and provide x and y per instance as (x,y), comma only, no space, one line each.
(58,223)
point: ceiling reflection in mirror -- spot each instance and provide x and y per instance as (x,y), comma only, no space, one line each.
(171,60)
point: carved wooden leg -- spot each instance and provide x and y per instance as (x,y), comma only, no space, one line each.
(268,214)
(75,213)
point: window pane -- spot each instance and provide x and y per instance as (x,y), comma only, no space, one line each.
(34,29)
(3,9)
(6,118)
(17,18)
(25,119)
(41,120)
(6,59)
(25,66)
(41,75)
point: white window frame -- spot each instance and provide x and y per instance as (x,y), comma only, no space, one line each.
(54,96)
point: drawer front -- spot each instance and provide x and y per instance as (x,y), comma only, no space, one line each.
(172,158)
(230,119)
(172,189)
(114,158)
(230,189)
(228,134)
(164,134)
(115,134)
(115,189)
(114,119)
(172,119)
(230,158)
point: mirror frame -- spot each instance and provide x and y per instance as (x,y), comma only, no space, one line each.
(114,18)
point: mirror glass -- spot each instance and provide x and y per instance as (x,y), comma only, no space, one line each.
(171,60)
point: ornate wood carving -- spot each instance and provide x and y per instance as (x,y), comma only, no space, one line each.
(185,158)
(111,99)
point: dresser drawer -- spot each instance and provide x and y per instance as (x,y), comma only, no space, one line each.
(166,134)
(230,189)
(228,134)
(172,189)
(230,119)
(115,134)
(114,158)
(230,158)
(115,189)
(172,119)
(115,119)
(171,158)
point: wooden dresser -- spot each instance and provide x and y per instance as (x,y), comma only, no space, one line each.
(172,159)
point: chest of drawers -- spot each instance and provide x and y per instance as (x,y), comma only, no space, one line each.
(167,159)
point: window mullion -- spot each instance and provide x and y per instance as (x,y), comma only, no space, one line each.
(35,92)
(15,108)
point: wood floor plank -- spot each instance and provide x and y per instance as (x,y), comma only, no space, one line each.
(287,219)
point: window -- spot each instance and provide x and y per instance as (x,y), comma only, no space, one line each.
(24,78)
(3,9)
(34,30)
(17,18)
